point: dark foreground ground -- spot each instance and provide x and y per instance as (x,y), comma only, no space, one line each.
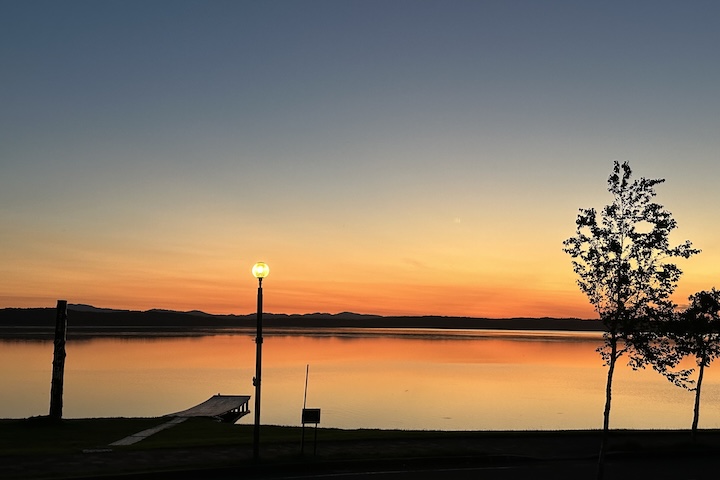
(201,450)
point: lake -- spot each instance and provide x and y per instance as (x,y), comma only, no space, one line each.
(393,379)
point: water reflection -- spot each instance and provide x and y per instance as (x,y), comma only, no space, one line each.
(450,380)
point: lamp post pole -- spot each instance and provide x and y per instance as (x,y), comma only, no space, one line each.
(260,270)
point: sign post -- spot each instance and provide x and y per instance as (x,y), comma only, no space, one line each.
(309,415)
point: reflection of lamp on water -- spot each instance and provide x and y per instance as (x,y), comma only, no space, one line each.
(260,270)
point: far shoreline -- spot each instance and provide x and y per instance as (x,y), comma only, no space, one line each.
(85,321)
(80,333)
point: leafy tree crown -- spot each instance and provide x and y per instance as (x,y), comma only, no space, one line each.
(622,255)
(697,331)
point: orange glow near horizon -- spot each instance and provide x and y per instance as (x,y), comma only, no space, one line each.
(494,283)
(280,296)
(500,299)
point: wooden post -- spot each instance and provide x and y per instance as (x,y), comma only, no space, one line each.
(58,372)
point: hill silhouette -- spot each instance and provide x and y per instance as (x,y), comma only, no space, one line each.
(89,320)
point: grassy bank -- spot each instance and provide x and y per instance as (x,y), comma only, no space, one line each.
(41,435)
(76,448)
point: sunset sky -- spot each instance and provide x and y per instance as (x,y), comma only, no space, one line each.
(386,157)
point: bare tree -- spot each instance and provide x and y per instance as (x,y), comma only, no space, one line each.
(621,257)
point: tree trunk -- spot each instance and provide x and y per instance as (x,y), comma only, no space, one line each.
(606,414)
(696,415)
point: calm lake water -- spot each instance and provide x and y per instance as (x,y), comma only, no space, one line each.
(457,380)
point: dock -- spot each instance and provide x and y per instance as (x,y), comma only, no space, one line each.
(225,408)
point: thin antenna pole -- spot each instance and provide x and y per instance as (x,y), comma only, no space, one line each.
(307,372)
(302,440)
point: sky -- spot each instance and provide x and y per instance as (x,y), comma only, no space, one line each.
(392,157)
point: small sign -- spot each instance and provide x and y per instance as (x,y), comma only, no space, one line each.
(311,415)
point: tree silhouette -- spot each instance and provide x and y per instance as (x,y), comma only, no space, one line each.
(621,258)
(695,333)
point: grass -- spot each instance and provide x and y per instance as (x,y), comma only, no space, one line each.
(41,435)
(205,432)
(38,435)
(41,448)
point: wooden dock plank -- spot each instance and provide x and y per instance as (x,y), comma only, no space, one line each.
(220,406)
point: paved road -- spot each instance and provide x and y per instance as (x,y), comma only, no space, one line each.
(625,469)
(569,472)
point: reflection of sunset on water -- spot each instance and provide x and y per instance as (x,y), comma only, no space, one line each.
(450,380)
(471,348)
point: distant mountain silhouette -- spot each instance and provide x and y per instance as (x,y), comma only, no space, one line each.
(89,320)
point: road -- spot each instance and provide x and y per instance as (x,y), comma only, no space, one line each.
(659,468)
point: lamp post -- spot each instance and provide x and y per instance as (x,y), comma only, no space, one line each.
(260,270)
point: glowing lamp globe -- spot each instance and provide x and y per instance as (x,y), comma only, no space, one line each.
(260,270)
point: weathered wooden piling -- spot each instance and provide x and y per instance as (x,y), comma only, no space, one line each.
(58,371)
